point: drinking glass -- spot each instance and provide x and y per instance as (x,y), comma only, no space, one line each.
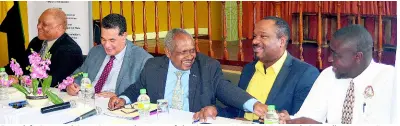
(162,107)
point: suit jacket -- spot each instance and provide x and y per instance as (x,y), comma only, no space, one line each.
(206,83)
(66,56)
(134,60)
(289,90)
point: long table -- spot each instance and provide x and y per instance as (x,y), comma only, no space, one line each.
(30,115)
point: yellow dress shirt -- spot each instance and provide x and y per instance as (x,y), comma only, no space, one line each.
(261,83)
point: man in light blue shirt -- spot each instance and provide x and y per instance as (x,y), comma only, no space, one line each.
(190,81)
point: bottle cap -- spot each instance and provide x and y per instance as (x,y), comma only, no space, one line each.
(85,75)
(2,69)
(271,107)
(143,91)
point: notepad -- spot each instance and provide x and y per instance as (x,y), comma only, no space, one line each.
(128,109)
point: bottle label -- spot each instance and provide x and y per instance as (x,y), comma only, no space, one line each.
(144,105)
(88,85)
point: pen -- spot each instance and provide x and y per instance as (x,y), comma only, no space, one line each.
(364,107)
(195,121)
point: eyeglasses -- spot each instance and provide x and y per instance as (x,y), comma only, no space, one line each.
(186,52)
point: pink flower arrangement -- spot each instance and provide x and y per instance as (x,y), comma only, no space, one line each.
(69,80)
(38,76)
(27,80)
(65,83)
(39,91)
(39,66)
(16,68)
(6,83)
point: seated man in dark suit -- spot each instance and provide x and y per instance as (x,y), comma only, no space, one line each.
(276,78)
(66,55)
(190,81)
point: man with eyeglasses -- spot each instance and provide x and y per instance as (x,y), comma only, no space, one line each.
(190,81)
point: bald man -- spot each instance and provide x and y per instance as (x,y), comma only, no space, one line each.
(66,55)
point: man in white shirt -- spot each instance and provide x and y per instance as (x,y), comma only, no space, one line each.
(354,90)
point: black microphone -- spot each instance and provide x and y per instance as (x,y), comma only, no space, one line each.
(65,105)
(92,112)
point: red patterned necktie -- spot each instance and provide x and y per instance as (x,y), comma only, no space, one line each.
(104,75)
(347,112)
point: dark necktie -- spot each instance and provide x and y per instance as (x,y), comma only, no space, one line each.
(104,75)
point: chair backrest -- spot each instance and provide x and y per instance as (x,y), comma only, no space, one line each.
(96,32)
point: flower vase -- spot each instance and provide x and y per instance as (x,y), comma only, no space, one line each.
(38,101)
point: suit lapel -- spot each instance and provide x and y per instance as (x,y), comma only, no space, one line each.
(247,76)
(280,79)
(125,65)
(194,79)
(161,75)
(97,63)
(57,43)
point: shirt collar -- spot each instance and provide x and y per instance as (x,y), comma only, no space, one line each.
(173,69)
(121,54)
(276,67)
(52,41)
(365,74)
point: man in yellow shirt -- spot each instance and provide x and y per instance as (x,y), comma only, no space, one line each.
(276,77)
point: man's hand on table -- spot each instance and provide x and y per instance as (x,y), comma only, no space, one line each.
(283,117)
(208,111)
(106,94)
(73,89)
(260,109)
(116,103)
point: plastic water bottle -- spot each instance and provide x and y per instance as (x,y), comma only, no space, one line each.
(143,104)
(87,91)
(271,117)
(3,74)
(3,89)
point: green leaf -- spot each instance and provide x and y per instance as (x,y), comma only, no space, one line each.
(54,98)
(46,84)
(35,84)
(20,88)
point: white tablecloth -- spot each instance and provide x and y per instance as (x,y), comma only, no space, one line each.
(29,115)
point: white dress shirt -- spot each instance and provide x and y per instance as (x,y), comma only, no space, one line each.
(325,101)
(111,81)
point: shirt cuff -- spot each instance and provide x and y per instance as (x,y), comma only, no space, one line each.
(248,105)
(127,100)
